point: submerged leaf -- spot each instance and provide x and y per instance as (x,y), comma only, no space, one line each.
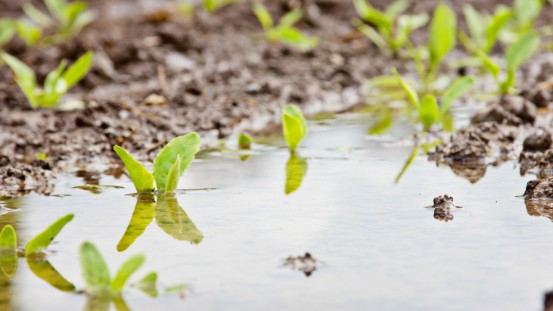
(296,168)
(172,219)
(43,239)
(127,269)
(294,125)
(141,217)
(148,284)
(8,251)
(95,270)
(186,146)
(45,271)
(142,179)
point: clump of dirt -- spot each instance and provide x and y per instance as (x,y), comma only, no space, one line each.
(444,208)
(508,109)
(539,189)
(306,263)
(19,179)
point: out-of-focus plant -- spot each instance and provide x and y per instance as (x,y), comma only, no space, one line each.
(525,13)
(516,54)
(57,82)
(294,126)
(484,29)
(244,141)
(284,32)
(8,28)
(187,7)
(392,28)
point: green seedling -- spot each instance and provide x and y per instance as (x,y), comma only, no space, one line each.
(483,29)
(187,7)
(68,18)
(284,32)
(8,28)
(294,126)
(516,54)
(57,82)
(169,164)
(392,28)
(428,110)
(525,13)
(245,141)
(442,38)
(28,32)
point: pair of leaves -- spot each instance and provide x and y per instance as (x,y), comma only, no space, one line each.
(97,276)
(169,164)
(294,126)
(57,82)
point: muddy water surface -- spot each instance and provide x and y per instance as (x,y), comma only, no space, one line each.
(376,245)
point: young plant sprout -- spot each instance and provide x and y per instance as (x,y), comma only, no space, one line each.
(284,32)
(8,29)
(516,54)
(97,276)
(392,28)
(70,18)
(525,13)
(244,141)
(484,29)
(28,32)
(169,164)
(294,126)
(57,82)
(187,7)
(428,110)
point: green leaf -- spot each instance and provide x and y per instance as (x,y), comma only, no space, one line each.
(396,8)
(81,21)
(78,70)
(408,163)
(8,251)
(296,168)
(95,270)
(24,76)
(429,112)
(142,179)
(45,271)
(53,85)
(244,141)
(375,17)
(476,24)
(148,284)
(383,124)
(409,90)
(459,87)
(172,219)
(28,32)
(36,15)
(186,146)
(371,33)
(173,176)
(263,16)
(442,34)
(43,239)
(522,49)
(526,11)
(290,18)
(406,24)
(500,18)
(294,125)
(127,269)
(7,30)
(72,12)
(488,64)
(57,8)
(142,216)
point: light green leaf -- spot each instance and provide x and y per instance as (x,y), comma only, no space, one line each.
(429,112)
(459,87)
(81,21)
(52,83)
(488,64)
(290,18)
(45,271)
(522,49)
(8,251)
(396,8)
(172,219)
(406,24)
(95,269)
(142,216)
(476,24)
(173,176)
(526,11)
(7,30)
(78,70)
(186,146)
(244,141)
(296,168)
(369,14)
(36,15)
(127,269)
(263,16)
(28,32)
(23,74)
(142,179)
(371,33)
(294,125)
(57,8)
(408,163)
(411,93)
(442,33)
(500,18)
(43,239)
(383,124)
(148,284)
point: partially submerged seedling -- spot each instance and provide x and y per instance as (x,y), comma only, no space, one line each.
(516,54)
(294,126)
(284,32)
(57,82)
(392,28)
(169,164)
(244,141)
(428,111)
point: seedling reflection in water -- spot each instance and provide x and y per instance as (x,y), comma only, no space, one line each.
(169,164)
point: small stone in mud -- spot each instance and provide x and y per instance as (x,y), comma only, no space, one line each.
(155,100)
(306,263)
(443,208)
(539,140)
(511,110)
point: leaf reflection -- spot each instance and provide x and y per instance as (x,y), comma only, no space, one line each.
(141,217)
(172,219)
(296,168)
(44,270)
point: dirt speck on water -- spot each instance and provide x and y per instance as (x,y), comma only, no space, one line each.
(306,263)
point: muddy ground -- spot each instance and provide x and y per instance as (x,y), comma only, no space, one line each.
(158,74)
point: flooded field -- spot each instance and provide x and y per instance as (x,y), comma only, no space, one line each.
(374,243)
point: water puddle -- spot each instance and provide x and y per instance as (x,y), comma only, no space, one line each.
(248,227)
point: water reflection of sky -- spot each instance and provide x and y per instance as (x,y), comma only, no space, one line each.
(380,248)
